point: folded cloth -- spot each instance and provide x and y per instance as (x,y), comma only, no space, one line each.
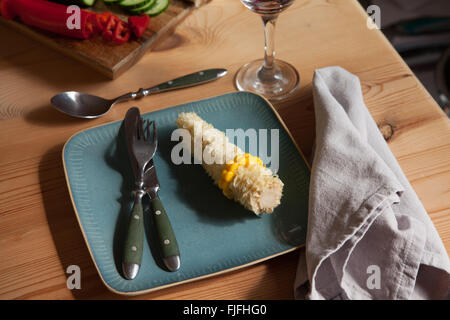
(368,237)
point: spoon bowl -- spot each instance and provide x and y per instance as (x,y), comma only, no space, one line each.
(81,105)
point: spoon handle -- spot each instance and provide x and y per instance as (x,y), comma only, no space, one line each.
(189,80)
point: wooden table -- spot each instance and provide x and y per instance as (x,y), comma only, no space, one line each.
(39,234)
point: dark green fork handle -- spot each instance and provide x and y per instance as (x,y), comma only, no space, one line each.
(166,237)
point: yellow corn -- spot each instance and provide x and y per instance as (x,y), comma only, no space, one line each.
(244,179)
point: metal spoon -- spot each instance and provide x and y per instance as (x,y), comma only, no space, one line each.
(82,105)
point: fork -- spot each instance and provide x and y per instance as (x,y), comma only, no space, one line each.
(143,147)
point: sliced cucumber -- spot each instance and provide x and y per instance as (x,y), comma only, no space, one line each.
(83,3)
(157,8)
(110,1)
(143,8)
(88,2)
(133,3)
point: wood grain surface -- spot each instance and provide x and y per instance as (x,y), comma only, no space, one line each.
(39,234)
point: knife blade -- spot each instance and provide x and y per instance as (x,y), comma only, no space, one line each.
(133,246)
(165,235)
(130,125)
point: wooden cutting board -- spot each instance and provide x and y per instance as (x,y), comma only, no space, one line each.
(108,58)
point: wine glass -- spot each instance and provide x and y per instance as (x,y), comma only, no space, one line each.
(274,79)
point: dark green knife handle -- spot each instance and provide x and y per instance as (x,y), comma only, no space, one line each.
(135,236)
(189,80)
(166,236)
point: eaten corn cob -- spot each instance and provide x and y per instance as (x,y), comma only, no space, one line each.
(239,175)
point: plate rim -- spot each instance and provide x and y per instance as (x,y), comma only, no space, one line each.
(140,292)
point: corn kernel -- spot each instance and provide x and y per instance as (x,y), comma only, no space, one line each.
(234,167)
(228,173)
(229,176)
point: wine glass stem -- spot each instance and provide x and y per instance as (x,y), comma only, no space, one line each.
(267,71)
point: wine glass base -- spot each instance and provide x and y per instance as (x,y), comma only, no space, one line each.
(285,81)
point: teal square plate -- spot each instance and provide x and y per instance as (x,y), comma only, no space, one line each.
(215,234)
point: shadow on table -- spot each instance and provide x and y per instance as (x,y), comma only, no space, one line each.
(64,228)
(297,113)
(48,116)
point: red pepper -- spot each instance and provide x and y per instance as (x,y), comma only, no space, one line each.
(116,30)
(100,21)
(122,33)
(6,9)
(49,16)
(139,24)
(108,31)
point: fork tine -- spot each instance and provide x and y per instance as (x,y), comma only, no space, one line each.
(140,129)
(155,133)
(147,129)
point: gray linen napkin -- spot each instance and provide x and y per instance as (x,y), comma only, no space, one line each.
(369,237)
